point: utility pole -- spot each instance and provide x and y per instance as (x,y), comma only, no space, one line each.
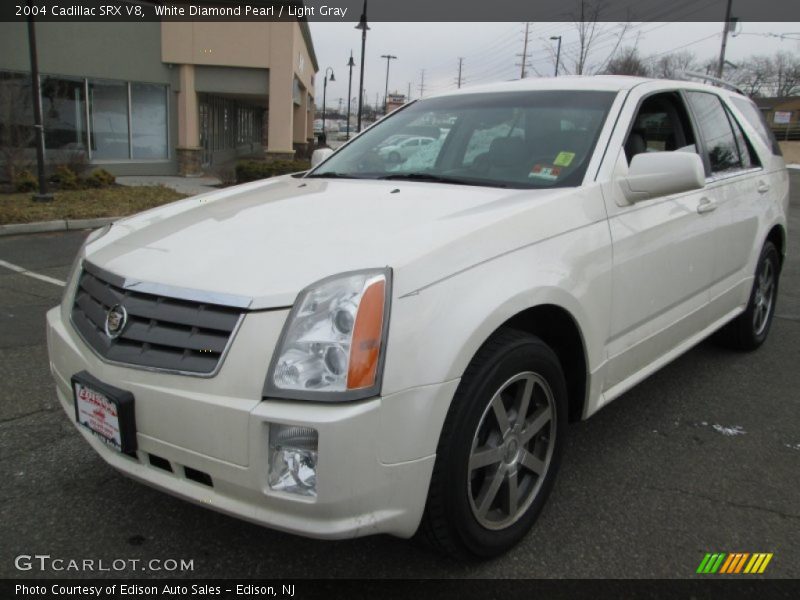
(389,58)
(422,84)
(524,52)
(42,195)
(408,97)
(725,31)
(460,64)
(558,52)
(362,25)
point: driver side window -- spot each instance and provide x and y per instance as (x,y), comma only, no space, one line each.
(661,125)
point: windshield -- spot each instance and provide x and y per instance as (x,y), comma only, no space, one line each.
(537,139)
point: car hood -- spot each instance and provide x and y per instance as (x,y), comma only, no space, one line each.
(267,240)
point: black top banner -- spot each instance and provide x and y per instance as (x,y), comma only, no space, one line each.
(400,10)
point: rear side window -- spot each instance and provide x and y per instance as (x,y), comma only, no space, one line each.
(756,119)
(746,152)
(715,128)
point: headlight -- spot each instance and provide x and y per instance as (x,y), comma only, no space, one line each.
(332,346)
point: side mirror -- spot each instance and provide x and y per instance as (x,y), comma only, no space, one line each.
(654,174)
(320,155)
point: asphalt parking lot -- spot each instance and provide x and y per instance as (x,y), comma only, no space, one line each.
(702,457)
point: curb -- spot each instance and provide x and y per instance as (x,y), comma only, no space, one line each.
(59,225)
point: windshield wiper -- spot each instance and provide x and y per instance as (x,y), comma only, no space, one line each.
(439,179)
(334,175)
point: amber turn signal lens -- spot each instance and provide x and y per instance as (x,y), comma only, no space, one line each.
(366,345)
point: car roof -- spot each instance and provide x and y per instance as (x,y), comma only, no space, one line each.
(605,83)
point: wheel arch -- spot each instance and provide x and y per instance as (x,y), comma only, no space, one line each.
(777,235)
(559,329)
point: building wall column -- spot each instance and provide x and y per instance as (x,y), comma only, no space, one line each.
(188,151)
(281,113)
(299,140)
(310,114)
(280,116)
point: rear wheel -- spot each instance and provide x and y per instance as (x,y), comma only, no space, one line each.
(750,329)
(499,449)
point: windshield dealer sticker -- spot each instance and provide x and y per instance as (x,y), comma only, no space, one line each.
(564,159)
(544,172)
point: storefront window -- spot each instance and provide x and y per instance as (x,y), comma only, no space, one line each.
(16,112)
(64,114)
(109,119)
(149,120)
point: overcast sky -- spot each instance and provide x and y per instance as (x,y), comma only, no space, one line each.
(490,50)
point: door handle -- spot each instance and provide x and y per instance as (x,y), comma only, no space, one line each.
(762,187)
(706,206)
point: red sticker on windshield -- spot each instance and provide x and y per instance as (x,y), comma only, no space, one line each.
(546,172)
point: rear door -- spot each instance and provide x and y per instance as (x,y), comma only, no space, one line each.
(737,182)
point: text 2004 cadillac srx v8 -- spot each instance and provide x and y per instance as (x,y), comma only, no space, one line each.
(388,343)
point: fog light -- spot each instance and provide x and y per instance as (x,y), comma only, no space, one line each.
(293,459)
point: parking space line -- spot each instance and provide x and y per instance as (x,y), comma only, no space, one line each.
(40,277)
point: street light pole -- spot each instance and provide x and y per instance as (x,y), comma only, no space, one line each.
(350,63)
(42,195)
(324,98)
(558,52)
(362,25)
(389,58)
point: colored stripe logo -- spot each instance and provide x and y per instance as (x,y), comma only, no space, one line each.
(734,563)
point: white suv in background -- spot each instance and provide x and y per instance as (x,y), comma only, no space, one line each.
(378,346)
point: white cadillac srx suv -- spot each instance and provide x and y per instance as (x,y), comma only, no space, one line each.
(387,346)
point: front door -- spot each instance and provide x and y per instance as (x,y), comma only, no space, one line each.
(664,249)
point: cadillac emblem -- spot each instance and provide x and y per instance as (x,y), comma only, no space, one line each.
(116,319)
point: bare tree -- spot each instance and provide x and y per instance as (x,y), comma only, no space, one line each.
(753,75)
(590,33)
(786,73)
(776,75)
(669,66)
(627,62)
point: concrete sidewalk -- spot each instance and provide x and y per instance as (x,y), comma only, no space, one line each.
(191,186)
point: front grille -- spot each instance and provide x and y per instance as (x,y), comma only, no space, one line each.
(160,333)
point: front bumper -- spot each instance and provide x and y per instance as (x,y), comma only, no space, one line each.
(375,457)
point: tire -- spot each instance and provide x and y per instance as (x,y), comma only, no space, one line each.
(750,329)
(394,157)
(467,515)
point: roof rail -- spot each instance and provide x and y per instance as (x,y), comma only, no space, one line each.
(706,77)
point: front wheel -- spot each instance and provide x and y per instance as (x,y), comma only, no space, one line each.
(500,448)
(749,330)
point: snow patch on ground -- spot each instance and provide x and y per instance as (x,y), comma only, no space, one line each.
(793,166)
(725,430)
(793,446)
(729,431)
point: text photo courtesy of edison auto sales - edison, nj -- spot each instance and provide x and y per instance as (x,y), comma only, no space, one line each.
(307,299)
